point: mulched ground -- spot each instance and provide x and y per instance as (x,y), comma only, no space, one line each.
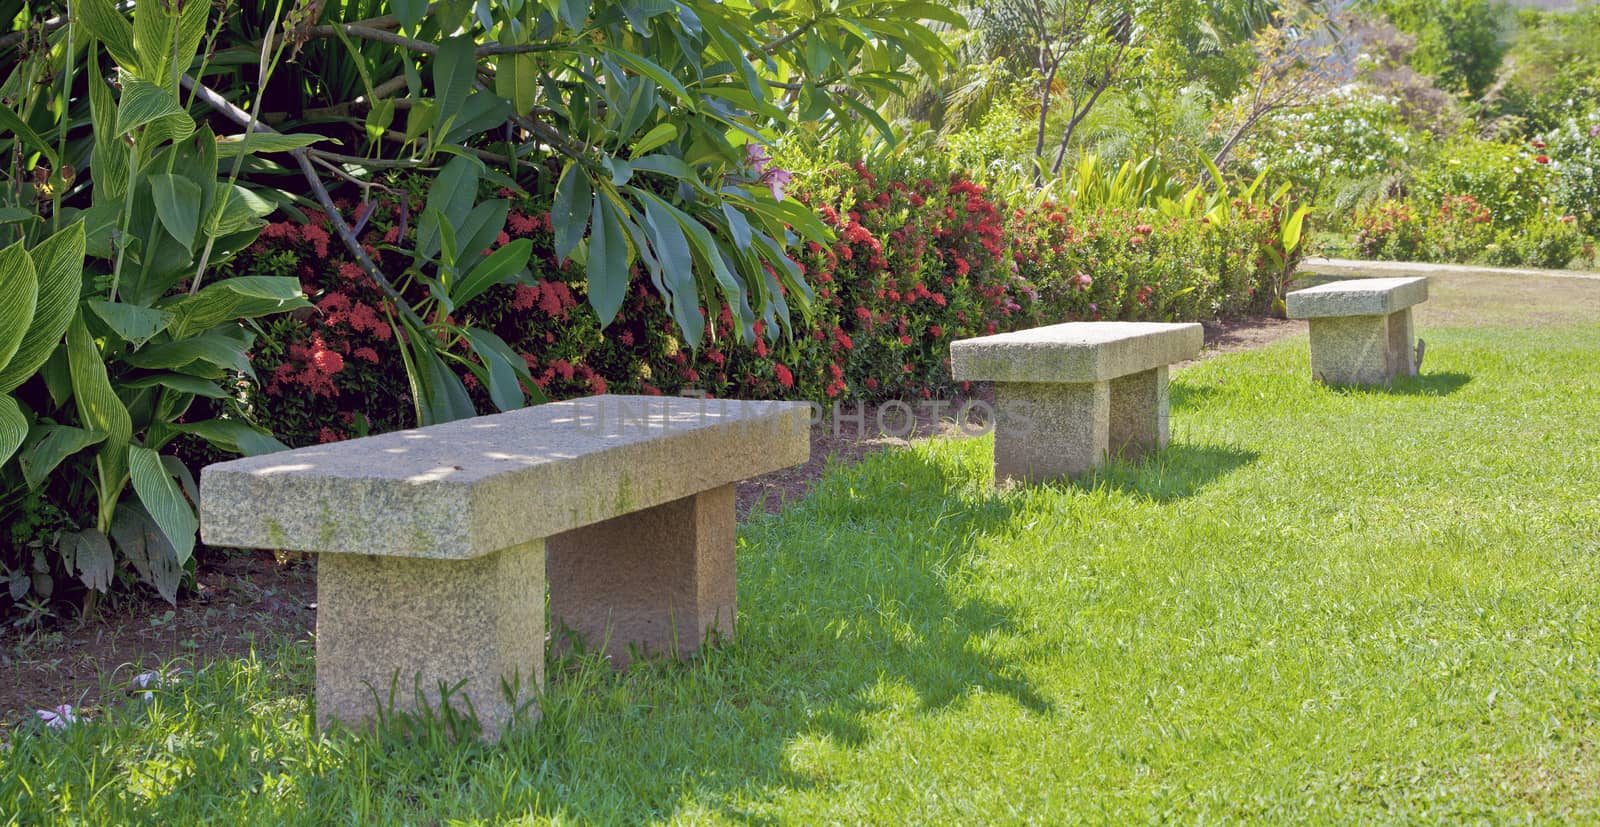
(246,598)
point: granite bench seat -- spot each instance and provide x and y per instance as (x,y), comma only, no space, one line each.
(1361,329)
(1068,395)
(432,543)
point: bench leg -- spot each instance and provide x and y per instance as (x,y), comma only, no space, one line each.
(1352,350)
(412,623)
(1050,431)
(656,581)
(1402,344)
(1139,408)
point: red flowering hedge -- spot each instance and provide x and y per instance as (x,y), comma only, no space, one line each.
(917,263)
(1460,228)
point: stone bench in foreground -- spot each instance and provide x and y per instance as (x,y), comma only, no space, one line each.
(1361,330)
(432,542)
(1067,395)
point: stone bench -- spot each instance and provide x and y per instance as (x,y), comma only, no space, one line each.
(432,542)
(1067,395)
(1361,330)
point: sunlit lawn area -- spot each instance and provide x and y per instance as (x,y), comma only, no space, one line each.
(1317,605)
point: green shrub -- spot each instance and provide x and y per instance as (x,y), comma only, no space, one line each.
(1507,179)
(1547,240)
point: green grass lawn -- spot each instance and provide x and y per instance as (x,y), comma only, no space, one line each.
(1318,605)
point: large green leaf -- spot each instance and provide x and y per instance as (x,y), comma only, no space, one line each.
(658,135)
(454,67)
(135,323)
(144,545)
(100,409)
(478,233)
(144,102)
(650,69)
(456,188)
(494,269)
(90,553)
(517,80)
(677,266)
(215,348)
(98,405)
(234,146)
(179,382)
(179,202)
(233,435)
(19,286)
(570,213)
(108,25)
(502,365)
(58,264)
(18,127)
(13,427)
(410,12)
(109,158)
(1292,228)
(439,394)
(161,497)
(164,33)
(240,297)
(608,262)
(48,446)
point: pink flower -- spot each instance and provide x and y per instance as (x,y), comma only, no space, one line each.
(756,156)
(776,179)
(785,378)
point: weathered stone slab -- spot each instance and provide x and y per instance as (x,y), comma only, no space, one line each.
(1068,396)
(1357,297)
(471,487)
(1074,352)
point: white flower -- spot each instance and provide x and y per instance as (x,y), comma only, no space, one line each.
(148,680)
(59,718)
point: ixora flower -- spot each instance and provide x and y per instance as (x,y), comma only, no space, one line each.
(60,717)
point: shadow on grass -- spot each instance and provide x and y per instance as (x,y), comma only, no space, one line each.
(1183,397)
(1178,471)
(856,612)
(1441,383)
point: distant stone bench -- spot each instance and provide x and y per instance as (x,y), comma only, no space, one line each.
(1361,329)
(432,542)
(1067,395)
